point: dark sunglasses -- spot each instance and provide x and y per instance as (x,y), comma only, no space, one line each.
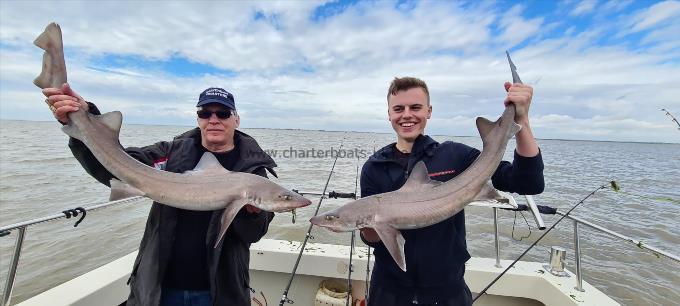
(206,114)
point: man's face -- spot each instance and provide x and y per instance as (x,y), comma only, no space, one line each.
(408,112)
(217,132)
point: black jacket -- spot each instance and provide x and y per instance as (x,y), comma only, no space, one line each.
(228,263)
(436,255)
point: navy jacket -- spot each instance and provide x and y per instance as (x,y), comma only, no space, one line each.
(436,255)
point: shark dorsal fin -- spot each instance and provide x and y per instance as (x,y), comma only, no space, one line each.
(418,178)
(112,120)
(209,162)
(484,126)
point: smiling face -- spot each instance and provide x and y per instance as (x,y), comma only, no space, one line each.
(217,135)
(408,111)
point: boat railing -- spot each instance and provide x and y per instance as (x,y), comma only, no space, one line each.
(577,246)
(21,227)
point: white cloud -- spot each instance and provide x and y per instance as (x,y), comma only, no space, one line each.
(584,7)
(516,29)
(352,56)
(656,14)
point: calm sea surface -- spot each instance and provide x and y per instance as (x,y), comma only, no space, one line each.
(39,177)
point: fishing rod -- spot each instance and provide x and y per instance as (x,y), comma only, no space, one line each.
(672,118)
(284,297)
(614,187)
(351,246)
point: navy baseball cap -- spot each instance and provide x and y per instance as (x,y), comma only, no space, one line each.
(216,95)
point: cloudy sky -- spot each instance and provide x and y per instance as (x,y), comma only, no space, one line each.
(602,70)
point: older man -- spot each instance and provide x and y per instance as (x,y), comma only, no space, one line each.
(176,263)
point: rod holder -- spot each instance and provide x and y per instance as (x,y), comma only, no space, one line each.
(558,256)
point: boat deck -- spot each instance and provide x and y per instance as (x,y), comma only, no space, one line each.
(527,283)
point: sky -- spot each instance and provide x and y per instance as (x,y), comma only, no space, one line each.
(601,70)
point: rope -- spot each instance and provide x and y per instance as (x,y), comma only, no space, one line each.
(513,227)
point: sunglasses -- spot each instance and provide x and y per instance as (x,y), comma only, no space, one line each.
(206,114)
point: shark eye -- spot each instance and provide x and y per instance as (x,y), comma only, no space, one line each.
(331,217)
(287,197)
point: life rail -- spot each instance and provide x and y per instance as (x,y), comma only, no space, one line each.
(21,233)
(21,227)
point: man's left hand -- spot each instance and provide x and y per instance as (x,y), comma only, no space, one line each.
(520,95)
(252,209)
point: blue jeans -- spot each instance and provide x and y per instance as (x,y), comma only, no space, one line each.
(175,297)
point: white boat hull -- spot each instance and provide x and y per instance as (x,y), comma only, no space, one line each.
(272,261)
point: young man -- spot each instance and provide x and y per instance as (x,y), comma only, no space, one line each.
(177,264)
(436,255)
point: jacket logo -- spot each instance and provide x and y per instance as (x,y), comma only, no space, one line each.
(440,173)
(160,163)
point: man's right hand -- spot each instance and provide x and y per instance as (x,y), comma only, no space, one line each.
(64,100)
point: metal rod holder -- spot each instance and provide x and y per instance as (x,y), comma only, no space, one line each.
(497,242)
(534,212)
(577,255)
(11,273)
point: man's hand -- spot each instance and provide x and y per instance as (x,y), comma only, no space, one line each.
(520,95)
(63,101)
(252,209)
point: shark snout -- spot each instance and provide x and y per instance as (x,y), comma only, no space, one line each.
(316,220)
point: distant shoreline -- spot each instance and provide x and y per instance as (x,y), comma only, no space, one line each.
(365,132)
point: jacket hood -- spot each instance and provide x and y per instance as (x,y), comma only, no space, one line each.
(251,154)
(423,145)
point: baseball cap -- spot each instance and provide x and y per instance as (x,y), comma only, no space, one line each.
(216,95)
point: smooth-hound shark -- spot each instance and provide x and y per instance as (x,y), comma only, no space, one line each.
(421,201)
(208,187)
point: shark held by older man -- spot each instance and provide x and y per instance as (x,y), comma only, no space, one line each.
(208,187)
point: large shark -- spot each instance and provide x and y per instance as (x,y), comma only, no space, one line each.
(208,187)
(421,201)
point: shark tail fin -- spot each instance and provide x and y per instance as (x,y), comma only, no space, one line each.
(50,39)
(47,38)
(120,190)
(43,80)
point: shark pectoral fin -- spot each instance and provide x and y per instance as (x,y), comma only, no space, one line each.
(209,162)
(418,178)
(228,216)
(394,242)
(72,130)
(112,120)
(488,192)
(120,190)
